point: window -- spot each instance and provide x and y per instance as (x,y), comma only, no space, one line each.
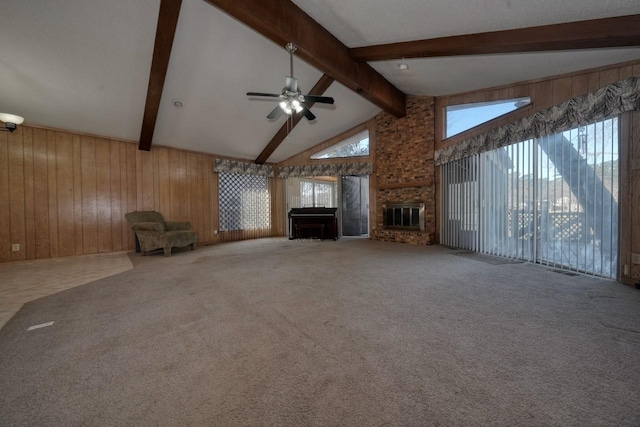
(308,192)
(244,202)
(459,118)
(552,200)
(354,146)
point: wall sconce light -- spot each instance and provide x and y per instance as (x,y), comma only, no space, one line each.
(11,121)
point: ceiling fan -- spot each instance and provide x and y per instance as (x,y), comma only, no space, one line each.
(291,99)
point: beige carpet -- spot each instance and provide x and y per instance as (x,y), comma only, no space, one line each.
(353,332)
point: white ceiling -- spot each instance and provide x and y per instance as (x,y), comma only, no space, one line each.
(83,65)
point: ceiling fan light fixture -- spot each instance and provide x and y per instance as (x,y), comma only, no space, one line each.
(291,98)
(11,121)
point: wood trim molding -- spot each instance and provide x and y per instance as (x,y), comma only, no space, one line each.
(621,31)
(282,22)
(165,32)
(318,89)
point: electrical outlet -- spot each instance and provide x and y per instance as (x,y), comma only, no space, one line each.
(635,258)
(15,247)
(215,232)
(625,270)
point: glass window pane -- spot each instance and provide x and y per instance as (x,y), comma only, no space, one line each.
(459,118)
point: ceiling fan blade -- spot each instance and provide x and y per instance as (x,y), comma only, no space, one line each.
(277,112)
(270,95)
(292,84)
(308,114)
(320,99)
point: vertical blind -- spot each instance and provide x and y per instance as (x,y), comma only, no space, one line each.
(551,200)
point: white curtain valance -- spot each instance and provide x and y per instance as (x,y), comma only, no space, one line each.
(608,101)
(333,169)
(242,168)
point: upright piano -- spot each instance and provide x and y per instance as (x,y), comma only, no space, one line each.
(319,223)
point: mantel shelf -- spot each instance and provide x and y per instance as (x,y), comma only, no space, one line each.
(410,184)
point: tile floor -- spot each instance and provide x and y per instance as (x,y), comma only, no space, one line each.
(21,282)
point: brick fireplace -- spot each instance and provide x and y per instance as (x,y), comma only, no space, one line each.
(404,170)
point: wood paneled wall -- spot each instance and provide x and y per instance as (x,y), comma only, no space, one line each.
(66,194)
(630,195)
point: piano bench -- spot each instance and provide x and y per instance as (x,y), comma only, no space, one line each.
(312,227)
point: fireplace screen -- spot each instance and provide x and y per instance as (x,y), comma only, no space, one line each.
(406,216)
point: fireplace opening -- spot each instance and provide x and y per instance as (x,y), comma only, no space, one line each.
(403,216)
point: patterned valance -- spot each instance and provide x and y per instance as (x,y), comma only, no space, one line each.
(243,168)
(333,169)
(608,101)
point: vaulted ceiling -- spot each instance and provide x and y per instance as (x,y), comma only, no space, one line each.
(84,65)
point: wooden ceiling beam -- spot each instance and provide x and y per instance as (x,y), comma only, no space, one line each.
(282,22)
(318,89)
(622,31)
(165,32)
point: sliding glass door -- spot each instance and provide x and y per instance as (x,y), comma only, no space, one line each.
(553,200)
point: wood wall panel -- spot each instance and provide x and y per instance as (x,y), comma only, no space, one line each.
(67,193)
(89,200)
(77,195)
(29,201)
(164,180)
(52,182)
(103,195)
(626,72)
(115,189)
(5,214)
(124,195)
(192,171)
(594,81)
(561,90)
(634,186)
(579,85)
(16,192)
(41,193)
(139,179)
(609,76)
(174,183)
(184,207)
(64,192)
(625,193)
(132,187)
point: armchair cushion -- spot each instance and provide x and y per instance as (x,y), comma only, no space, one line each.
(152,232)
(175,226)
(148,226)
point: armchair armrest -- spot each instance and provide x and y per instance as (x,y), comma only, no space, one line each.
(148,226)
(176,226)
